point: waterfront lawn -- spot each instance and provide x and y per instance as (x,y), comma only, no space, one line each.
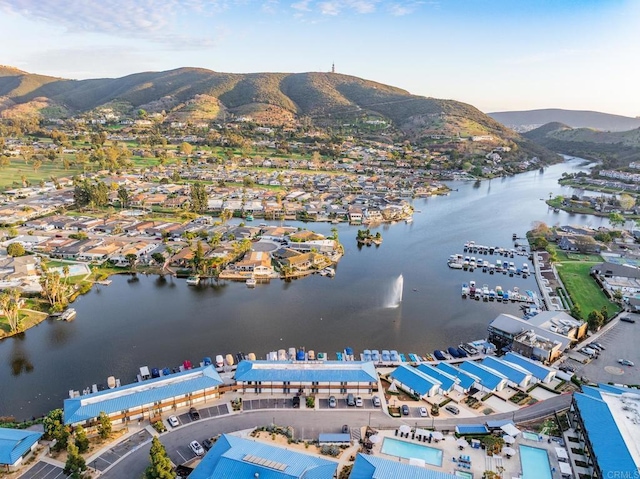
(29,319)
(583,289)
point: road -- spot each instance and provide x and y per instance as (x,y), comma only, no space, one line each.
(306,425)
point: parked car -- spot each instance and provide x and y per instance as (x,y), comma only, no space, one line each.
(296,401)
(345,429)
(173,421)
(594,346)
(194,414)
(452,409)
(626,319)
(423,412)
(599,345)
(376,401)
(332,401)
(207,444)
(196,448)
(351,401)
(625,362)
(359,402)
(405,410)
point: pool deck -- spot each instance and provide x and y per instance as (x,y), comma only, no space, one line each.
(480,462)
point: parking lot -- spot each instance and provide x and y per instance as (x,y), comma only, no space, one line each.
(44,470)
(367,403)
(271,403)
(621,343)
(205,412)
(119,450)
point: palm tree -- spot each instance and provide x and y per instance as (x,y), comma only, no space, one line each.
(10,305)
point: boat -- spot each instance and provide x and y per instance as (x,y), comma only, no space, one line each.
(69,314)
(166,371)
(454,265)
(282,355)
(485,289)
(193,280)
(249,217)
(251,283)
(462,353)
(366,355)
(111,382)
(144,374)
(321,357)
(155,373)
(300,355)
(409,220)
(439,355)
(453,352)
(465,289)
(219,361)
(292,353)
(348,352)
(186,364)
(375,355)
(251,356)
(311,354)
(330,272)
(394,357)
(386,356)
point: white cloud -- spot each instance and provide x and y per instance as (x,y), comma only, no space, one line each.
(147,19)
(302,5)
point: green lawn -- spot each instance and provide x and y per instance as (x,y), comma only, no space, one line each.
(583,289)
(11,175)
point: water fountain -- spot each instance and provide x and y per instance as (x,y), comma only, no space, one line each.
(395,294)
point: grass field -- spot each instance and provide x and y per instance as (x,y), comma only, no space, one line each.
(11,175)
(583,289)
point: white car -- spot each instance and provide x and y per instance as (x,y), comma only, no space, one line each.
(625,362)
(423,412)
(173,421)
(359,402)
(197,449)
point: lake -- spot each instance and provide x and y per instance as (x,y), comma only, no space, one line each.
(161,321)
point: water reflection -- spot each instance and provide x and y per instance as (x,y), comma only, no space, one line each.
(19,361)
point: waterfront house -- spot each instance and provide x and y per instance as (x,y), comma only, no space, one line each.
(236,457)
(516,376)
(414,381)
(489,380)
(256,262)
(338,377)
(464,381)
(146,399)
(16,445)
(447,381)
(538,370)
(355,215)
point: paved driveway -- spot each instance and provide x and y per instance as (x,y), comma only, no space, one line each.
(121,449)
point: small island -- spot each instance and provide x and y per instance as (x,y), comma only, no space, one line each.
(367,238)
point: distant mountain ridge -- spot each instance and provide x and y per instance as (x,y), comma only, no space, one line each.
(572,118)
(614,149)
(194,94)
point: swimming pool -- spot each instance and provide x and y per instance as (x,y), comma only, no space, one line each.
(535,463)
(407,450)
(532,436)
(74,270)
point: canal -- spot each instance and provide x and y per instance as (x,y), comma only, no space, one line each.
(160,321)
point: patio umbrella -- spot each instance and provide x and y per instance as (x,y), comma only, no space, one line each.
(508,439)
(405,428)
(437,435)
(509,451)
(462,442)
(375,439)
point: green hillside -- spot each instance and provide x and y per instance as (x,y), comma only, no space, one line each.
(197,94)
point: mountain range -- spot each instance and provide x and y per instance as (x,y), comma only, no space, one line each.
(527,120)
(192,94)
(613,148)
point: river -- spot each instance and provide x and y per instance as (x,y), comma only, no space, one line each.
(160,322)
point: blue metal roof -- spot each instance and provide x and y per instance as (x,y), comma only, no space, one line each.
(447,381)
(611,451)
(498,424)
(14,443)
(536,368)
(487,378)
(466,381)
(293,371)
(472,429)
(229,458)
(513,372)
(373,467)
(414,379)
(134,395)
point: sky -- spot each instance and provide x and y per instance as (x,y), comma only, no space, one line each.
(494,54)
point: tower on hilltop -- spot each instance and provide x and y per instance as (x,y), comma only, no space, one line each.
(333,67)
